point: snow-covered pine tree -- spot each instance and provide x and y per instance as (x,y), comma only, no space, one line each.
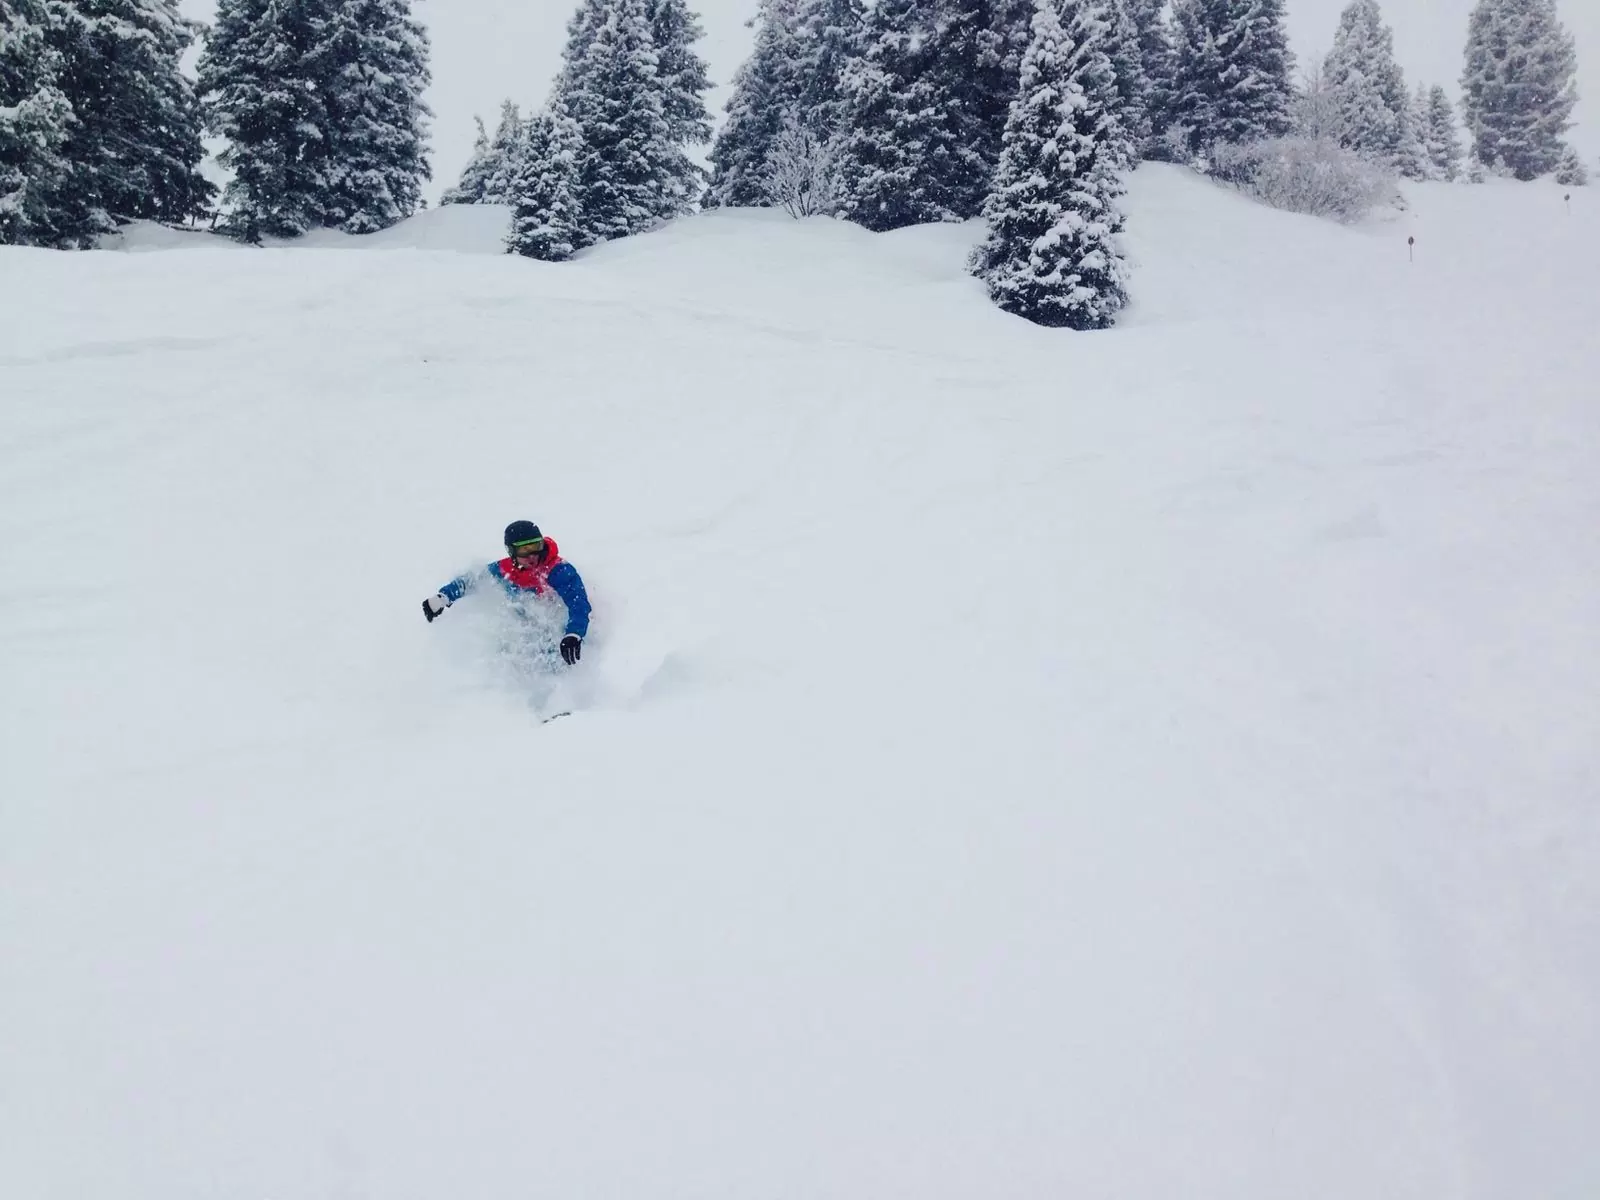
(983,42)
(789,90)
(1054,212)
(1570,171)
(1134,91)
(546,220)
(1518,88)
(766,93)
(374,60)
(581,27)
(475,175)
(630,174)
(829,33)
(681,72)
(505,154)
(1157,60)
(265,96)
(1411,160)
(1414,160)
(1440,139)
(1368,85)
(1090,32)
(1231,76)
(321,103)
(487,177)
(681,76)
(912,148)
(34,121)
(134,147)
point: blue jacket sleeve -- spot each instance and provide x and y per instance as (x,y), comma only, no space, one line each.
(462,584)
(568,584)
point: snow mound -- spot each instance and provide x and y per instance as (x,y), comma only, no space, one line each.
(143,236)
(459,228)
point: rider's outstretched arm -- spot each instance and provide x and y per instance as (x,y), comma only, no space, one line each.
(451,592)
(568,584)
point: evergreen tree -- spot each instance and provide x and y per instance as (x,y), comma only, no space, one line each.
(766,91)
(546,220)
(978,51)
(789,89)
(374,58)
(589,16)
(35,119)
(1368,86)
(828,32)
(1054,212)
(1440,139)
(264,98)
(680,71)
(1231,75)
(1570,171)
(681,78)
(912,150)
(320,101)
(1410,159)
(134,148)
(1157,59)
(1134,91)
(630,174)
(486,179)
(475,175)
(1518,89)
(505,154)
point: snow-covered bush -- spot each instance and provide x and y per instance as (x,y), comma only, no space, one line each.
(1315,108)
(1304,175)
(1570,171)
(799,172)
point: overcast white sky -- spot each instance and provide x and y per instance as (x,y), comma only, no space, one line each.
(487,50)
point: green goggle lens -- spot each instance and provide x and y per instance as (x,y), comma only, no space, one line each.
(531,546)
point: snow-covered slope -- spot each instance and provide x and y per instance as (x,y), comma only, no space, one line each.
(1010,763)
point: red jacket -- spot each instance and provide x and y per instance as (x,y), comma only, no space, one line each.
(529,579)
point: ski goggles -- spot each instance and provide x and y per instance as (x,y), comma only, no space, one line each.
(524,549)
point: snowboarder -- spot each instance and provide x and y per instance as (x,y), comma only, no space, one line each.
(532,567)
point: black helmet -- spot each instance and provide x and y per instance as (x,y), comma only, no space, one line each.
(522,531)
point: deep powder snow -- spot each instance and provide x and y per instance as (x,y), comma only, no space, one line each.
(1007,763)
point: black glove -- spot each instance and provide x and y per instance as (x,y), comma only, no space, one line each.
(434,605)
(571,648)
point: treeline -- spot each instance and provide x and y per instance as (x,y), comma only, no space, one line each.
(1027,113)
(97,125)
(320,103)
